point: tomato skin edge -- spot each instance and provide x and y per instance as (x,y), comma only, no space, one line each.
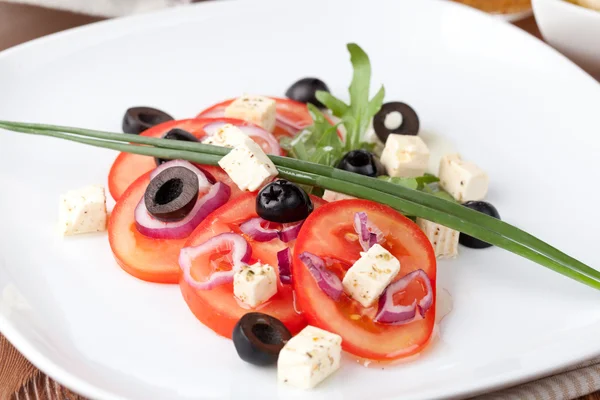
(127,167)
(119,234)
(304,295)
(114,232)
(211,315)
(221,324)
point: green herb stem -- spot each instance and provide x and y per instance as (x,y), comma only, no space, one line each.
(207,154)
(403,199)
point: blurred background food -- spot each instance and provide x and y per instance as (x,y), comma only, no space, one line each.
(500,6)
(593,4)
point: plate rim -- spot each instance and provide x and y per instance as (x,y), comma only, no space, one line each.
(82,387)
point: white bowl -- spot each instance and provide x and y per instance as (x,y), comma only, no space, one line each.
(572,29)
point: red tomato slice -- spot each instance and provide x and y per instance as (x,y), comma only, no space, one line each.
(329,234)
(292,116)
(153,260)
(128,167)
(218,309)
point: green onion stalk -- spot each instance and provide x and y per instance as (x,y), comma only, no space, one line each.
(405,200)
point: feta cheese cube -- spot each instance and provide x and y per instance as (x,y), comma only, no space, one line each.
(256,109)
(227,136)
(443,239)
(464,180)
(331,196)
(309,357)
(366,280)
(82,211)
(255,284)
(248,166)
(405,156)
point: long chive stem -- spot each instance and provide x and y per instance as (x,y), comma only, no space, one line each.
(403,199)
(482,220)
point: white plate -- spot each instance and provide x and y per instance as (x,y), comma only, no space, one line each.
(514,106)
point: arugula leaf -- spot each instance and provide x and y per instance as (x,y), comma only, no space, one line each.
(357,116)
(436,190)
(318,143)
(410,183)
(337,107)
(418,183)
(427,183)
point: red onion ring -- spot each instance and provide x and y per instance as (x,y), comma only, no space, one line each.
(254,229)
(290,125)
(290,232)
(202,174)
(391,314)
(203,179)
(284,262)
(240,254)
(327,280)
(283,123)
(368,234)
(217,195)
(251,130)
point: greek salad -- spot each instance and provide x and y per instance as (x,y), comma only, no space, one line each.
(292,273)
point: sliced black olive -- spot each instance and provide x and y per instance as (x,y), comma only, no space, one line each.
(176,134)
(172,194)
(482,207)
(138,119)
(361,162)
(305,91)
(282,201)
(395,117)
(258,338)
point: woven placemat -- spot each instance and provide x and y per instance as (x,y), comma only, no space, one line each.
(19,380)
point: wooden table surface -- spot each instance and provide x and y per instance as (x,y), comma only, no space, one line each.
(20,23)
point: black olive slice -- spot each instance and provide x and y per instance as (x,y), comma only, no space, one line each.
(258,338)
(305,91)
(138,119)
(361,162)
(176,134)
(282,201)
(172,194)
(397,118)
(485,208)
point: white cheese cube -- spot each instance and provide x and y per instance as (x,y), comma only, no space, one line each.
(309,357)
(464,180)
(82,211)
(405,156)
(255,284)
(256,109)
(248,166)
(366,280)
(331,196)
(227,136)
(443,239)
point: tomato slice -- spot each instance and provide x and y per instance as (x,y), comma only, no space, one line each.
(128,167)
(292,116)
(153,260)
(217,308)
(329,234)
